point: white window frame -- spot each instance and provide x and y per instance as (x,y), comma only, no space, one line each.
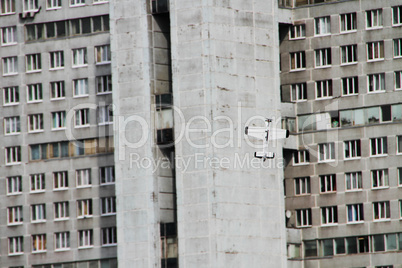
(383,210)
(33,63)
(398,80)
(302,186)
(354,213)
(375,16)
(398,144)
(326,152)
(56,60)
(83,178)
(105,115)
(107,175)
(15,215)
(323,90)
(397,44)
(397,16)
(379,179)
(375,51)
(303,158)
(80,87)
(53,4)
(299,61)
(34,93)
(299,92)
(62,241)
(350,85)
(14,185)
(297,32)
(102,54)
(399,171)
(84,209)
(61,211)
(11,96)
(12,126)
(349,54)
(303,218)
(378,146)
(35,123)
(77,3)
(39,243)
(109,236)
(103,84)
(15,245)
(9,36)
(352,149)
(108,206)
(328,183)
(58,120)
(322,26)
(60,180)
(356,182)
(30,5)
(57,90)
(8,7)
(12,155)
(85,239)
(329,216)
(323,58)
(79,57)
(37,183)
(97,2)
(82,118)
(375,83)
(348,23)
(10,66)
(38,213)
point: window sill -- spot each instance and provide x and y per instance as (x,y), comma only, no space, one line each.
(348,63)
(60,189)
(6,14)
(109,245)
(10,74)
(58,129)
(38,251)
(8,44)
(105,124)
(14,224)
(80,96)
(300,195)
(37,192)
(12,134)
(62,219)
(355,222)
(376,91)
(20,193)
(79,66)
(297,70)
(374,28)
(16,254)
(328,192)
(78,5)
(324,98)
(84,186)
(302,227)
(85,217)
(13,164)
(354,191)
(301,164)
(103,63)
(382,220)
(329,224)
(107,183)
(36,131)
(353,158)
(56,69)
(110,92)
(57,99)
(299,101)
(320,35)
(61,249)
(375,60)
(397,25)
(297,38)
(108,214)
(41,221)
(53,8)
(100,2)
(350,95)
(348,32)
(34,71)
(83,126)
(323,67)
(326,161)
(85,247)
(17,103)
(379,188)
(379,155)
(36,101)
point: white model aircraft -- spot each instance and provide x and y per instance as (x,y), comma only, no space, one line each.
(266,134)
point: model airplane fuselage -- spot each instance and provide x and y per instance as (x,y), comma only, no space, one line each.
(266,134)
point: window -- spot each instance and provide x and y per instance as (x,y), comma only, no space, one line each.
(80,87)
(60,180)
(326,152)
(379,178)
(106,175)
(80,57)
(297,31)
(328,183)
(348,22)
(310,248)
(293,251)
(376,82)
(10,66)
(15,215)
(104,84)
(397,15)
(105,115)
(61,211)
(297,60)
(322,26)
(57,90)
(62,241)
(12,125)
(100,1)
(323,57)
(9,35)
(85,238)
(301,157)
(39,243)
(37,183)
(381,210)
(350,86)
(15,244)
(82,118)
(398,80)
(324,89)
(30,5)
(83,177)
(57,60)
(352,149)
(378,146)
(38,213)
(77,2)
(38,152)
(108,206)
(35,122)
(398,48)
(13,155)
(109,236)
(374,19)
(329,215)
(59,120)
(34,93)
(302,186)
(303,217)
(299,92)
(14,185)
(353,181)
(399,144)
(102,54)
(33,63)
(355,213)
(7,7)
(84,208)
(375,51)
(53,4)
(11,96)
(349,54)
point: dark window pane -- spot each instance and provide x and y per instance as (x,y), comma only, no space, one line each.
(86,25)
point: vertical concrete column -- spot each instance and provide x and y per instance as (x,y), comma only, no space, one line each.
(225,62)
(136,184)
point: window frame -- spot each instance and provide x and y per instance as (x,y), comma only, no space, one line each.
(109,236)
(297,32)
(12,153)
(301,154)
(83,181)
(85,239)
(84,208)
(60,117)
(379,20)
(59,88)
(38,213)
(103,54)
(303,218)
(376,49)
(352,149)
(379,179)
(37,183)
(34,93)
(345,54)
(61,241)
(323,58)
(399,11)
(35,123)
(53,6)
(77,3)
(81,117)
(299,59)
(10,66)
(108,206)
(104,175)
(101,84)
(14,183)
(80,88)
(79,57)
(326,29)
(56,60)
(387,213)
(376,82)
(15,215)
(61,211)
(60,180)
(356,181)
(105,115)
(343,22)
(33,63)
(328,184)
(9,36)
(8,9)
(302,186)
(323,89)
(11,93)
(354,213)
(326,149)
(379,151)
(39,246)
(351,85)
(17,244)
(12,125)
(329,216)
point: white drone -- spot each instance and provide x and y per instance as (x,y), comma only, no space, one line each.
(266,134)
